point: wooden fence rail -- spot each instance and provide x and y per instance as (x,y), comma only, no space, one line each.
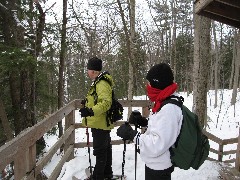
(220,152)
(21,151)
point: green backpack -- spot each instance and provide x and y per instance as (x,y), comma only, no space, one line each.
(191,148)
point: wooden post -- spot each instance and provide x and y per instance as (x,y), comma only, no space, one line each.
(70,120)
(31,158)
(220,155)
(20,164)
(237,163)
(145,113)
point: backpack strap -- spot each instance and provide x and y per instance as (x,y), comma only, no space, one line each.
(99,78)
(177,100)
(102,77)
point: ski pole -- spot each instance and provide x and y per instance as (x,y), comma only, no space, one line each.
(123,163)
(89,151)
(135,155)
(124,152)
(135,112)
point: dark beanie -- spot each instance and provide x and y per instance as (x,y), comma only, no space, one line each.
(160,76)
(94,64)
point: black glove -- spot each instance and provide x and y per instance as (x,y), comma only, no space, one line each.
(126,132)
(137,119)
(83,102)
(85,112)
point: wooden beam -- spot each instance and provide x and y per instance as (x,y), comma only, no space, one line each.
(229,152)
(135,103)
(200,5)
(230,141)
(237,162)
(20,164)
(229,161)
(234,3)
(213,138)
(59,166)
(113,142)
(43,162)
(53,150)
(221,19)
(125,103)
(70,121)
(211,159)
(224,10)
(215,151)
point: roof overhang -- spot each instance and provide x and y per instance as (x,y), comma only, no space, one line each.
(225,11)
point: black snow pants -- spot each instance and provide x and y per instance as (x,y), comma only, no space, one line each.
(165,174)
(102,149)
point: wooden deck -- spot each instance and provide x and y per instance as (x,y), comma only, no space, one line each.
(229,173)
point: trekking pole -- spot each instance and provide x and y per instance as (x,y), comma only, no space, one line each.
(123,163)
(88,145)
(89,151)
(135,155)
(124,152)
(136,146)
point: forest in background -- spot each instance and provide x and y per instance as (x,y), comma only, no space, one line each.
(44,51)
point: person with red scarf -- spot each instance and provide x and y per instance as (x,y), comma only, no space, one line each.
(164,125)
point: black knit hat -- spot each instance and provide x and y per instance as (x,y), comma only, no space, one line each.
(94,64)
(160,76)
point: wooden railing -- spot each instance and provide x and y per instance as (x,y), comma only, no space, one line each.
(220,152)
(21,151)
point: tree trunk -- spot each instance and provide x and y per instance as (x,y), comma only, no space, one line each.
(15,97)
(173,46)
(233,62)
(132,68)
(14,37)
(5,123)
(236,74)
(201,66)
(62,64)
(216,64)
(25,98)
(129,43)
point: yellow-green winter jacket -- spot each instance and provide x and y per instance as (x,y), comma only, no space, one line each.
(101,91)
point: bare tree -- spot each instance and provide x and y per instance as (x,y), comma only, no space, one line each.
(62,64)
(216,64)
(173,44)
(236,70)
(129,41)
(233,61)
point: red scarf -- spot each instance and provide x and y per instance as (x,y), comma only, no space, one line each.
(158,95)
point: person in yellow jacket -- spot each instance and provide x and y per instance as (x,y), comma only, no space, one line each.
(98,102)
